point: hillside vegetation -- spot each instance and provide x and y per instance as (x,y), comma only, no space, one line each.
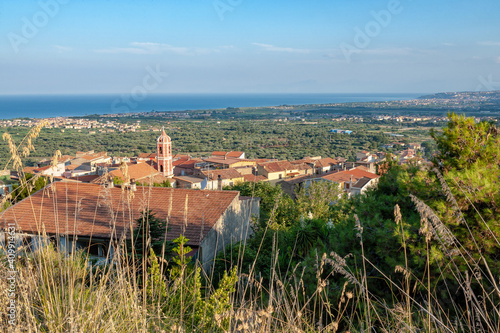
(419,253)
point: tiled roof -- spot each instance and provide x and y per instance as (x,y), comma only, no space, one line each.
(226,160)
(233,154)
(327,161)
(304,160)
(344,176)
(146,155)
(95,156)
(299,179)
(254,178)
(362,182)
(186,164)
(189,179)
(92,210)
(85,179)
(29,169)
(338,177)
(230,173)
(301,166)
(43,168)
(279,166)
(138,171)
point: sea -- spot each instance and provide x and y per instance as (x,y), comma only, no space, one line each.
(48,106)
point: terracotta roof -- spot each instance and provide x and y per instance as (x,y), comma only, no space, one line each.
(260,160)
(279,166)
(43,168)
(135,171)
(224,173)
(302,166)
(338,177)
(233,154)
(181,157)
(146,155)
(299,179)
(186,164)
(344,176)
(254,178)
(227,160)
(189,179)
(327,161)
(92,210)
(29,169)
(91,157)
(85,179)
(304,160)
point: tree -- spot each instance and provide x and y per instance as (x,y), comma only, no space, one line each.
(28,185)
(317,198)
(149,234)
(469,158)
(465,142)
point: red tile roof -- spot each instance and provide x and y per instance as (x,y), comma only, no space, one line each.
(226,160)
(92,210)
(136,171)
(147,155)
(254,178)
(233,154)
(344,176)
(325,162)
(85,179)
(43,168)
(186,164)
(230,173)
(29,169)
(279,166)
(91,157)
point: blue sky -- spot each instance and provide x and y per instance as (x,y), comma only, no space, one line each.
(218,46)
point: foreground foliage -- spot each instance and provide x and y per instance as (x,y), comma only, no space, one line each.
(418,253)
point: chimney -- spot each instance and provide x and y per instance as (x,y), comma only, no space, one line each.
(133,185)
(219,183)
(110,182)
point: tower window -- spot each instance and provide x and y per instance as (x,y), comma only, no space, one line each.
(161,168)
(161,150)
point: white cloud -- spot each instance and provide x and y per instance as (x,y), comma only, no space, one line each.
(272,48)
(448,44)
(158,48)
(489,43)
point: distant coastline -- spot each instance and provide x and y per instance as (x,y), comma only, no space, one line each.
(46,106)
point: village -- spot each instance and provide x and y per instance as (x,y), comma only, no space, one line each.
(92,199)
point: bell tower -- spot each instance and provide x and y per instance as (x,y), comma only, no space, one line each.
(164,154)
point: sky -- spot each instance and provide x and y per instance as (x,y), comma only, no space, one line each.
(243,46)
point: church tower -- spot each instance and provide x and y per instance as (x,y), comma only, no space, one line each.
(164,154)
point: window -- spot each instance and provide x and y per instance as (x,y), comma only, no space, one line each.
(160,150)
(97,250)
(161,168)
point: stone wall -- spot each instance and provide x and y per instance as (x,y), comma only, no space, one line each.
(233,227)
